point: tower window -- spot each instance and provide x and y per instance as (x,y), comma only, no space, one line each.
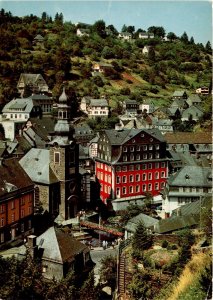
(56,157)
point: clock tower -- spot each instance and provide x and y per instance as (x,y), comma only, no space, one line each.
(64,160)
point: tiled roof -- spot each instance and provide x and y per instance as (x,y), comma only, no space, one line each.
(12,174)
(191,176)
(189,138)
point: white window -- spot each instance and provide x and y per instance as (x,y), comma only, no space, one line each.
(150,147)
(101,176)
(131,156)
(124,179)
(149,166)
(137,156)
(144,166)
(150,176)
(144,187)
(56,157)
(124,149)
(117,191)
(13,217)
(144,147)
(162,185)
(157,146)
(149,186)
(144,156)
(137,177)
(163,165)
(156,165)
(132,148)
(131,168)
(131,189)
(124,168)
(156,186)
(156,175)
(117,179)
(22,213)
(150,155)
(162,174)
(138,148)
(109,189)
(12,204)
(124,190)
(137,167)
(131,178)
(144,176)
(157,155)
(118,169)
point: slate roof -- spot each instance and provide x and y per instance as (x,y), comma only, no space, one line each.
(176,223)
(83,129)
(36,164)
(120,137)
(192,110)
(83,152)
(23,145)
(42,127)
(60,246)
(192,176)
(188,137)
(147,220)
(193,208)
(25,104)
(194,98)
(98,102)
(129,101)
(30,78)
(13,176)
(178,94)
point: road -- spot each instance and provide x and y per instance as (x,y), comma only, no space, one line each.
(97,255)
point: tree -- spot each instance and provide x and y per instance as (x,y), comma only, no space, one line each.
(112,30)
(99,28)
(192,41)
(158,31)
(184,38)
(151,54)
(130,29)
(124,28)
(88,291)
(141,240)
(108,271)
(208,47)
(140,285)
(171,36)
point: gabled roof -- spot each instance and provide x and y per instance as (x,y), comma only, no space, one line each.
(12,175)
(36,164)
(192,110)
(60,246)
(39,37)
(179,93)
(122,136)
(98,102)
(147,221)
(194,98)
(42,127)
(191,176)
(189,137)
(30,78)
(19,105)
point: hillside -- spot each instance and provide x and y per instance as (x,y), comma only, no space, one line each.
(67,58)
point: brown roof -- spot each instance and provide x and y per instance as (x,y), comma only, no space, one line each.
(188,137)
(12,177)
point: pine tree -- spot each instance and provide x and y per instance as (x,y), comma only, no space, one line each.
(142,240)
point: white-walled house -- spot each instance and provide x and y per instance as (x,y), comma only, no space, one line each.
(95,107)
(189,184)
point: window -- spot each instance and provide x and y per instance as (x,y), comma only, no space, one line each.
(13,217)
(131,168)
(132,148)
(131,189)
(163,174)
(144,147)
(117,191)
(157,155)
(163,165)
(149,166)
(1,208)
(12,204)
(144,176)
(162,185)
(131,178)
(2,237)
(180,189)
(137,189)
(156,165)
(138,157)
(124,168)
(118,169)
(150,155)
(22,213)
(22,201)
(143,166)
(149,186)
(137,167)
(150,147)
(2,222)
(124,179)
(156,175)
(109,189)
(157,146)
(137,177)
(138,148)
(106,178)
(144,187)
(132,157)
(144,156)
(117,179)
(124,149)
(56,157)
(109,179)
(124,190)
(29,209)
(150,176)
(156,186)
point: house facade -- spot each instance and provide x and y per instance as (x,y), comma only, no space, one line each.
(16,201)
(125,36)
(146,35)
(188,185)
(98,108)
(130,164)
(130,107)
(203,90)
(33,82)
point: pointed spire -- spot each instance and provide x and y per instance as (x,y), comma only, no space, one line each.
(63,98)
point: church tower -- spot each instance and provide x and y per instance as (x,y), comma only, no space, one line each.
(64,160)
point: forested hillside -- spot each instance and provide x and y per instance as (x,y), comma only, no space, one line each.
(64,57)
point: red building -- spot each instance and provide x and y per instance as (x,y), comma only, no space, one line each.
(16,201)
(131,163)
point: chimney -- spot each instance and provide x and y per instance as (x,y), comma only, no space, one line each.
(32,247)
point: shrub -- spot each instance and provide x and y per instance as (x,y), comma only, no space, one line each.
(164,244)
